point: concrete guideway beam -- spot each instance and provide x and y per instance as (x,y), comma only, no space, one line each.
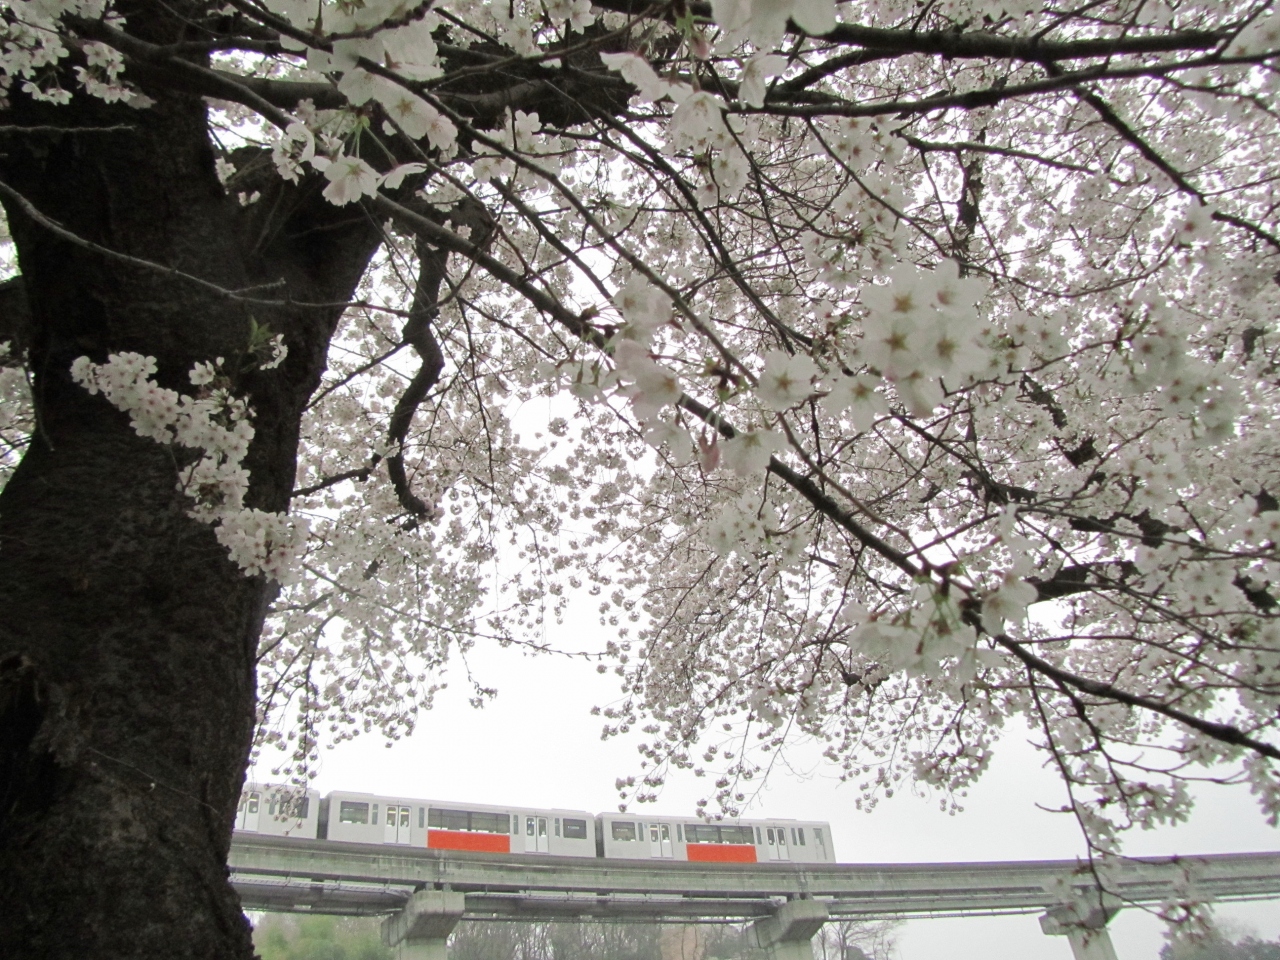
(275,873)
(420,931)
(788,934)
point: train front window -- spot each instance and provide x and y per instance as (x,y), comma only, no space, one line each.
(349,812)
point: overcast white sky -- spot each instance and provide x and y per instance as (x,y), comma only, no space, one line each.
(538,744)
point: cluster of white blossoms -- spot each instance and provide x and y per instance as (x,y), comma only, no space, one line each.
(763,22)
(520,133)
(217,426)
(412,115)
(350,177)
(1186,385)
(921,333)
(31,46)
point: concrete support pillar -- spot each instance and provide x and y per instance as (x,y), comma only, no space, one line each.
(421,930)
(1084,924)
(787,934)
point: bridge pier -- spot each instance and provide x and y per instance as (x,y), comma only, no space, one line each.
(1084,924)
(788,934)
(421,930)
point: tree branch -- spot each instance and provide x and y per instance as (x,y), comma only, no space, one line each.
(978,44)
(1218,731)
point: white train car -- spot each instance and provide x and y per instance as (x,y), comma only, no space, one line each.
(365,818)
(278,810)
(629,837)
(348,817)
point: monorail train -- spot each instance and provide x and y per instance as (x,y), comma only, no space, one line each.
(364,818)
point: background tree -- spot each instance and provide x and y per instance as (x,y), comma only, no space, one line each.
(1218,946)
(286,937)
(819,342)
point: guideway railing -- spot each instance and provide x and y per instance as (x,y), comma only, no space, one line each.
(426,892)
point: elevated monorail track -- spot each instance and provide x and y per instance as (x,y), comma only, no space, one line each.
(282,874)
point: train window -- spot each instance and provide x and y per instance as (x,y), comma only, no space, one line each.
(422,815)
(800,834)
(467,820)
(680,833)
(557,826)
(575,829)
(374,821)
(515,825)
(489,822)
(624,831)
(349,812)
(822,843)
(769,833)
(528,826)
(794,841)
(447,819)
(759,838)
(713,833)
(253,802)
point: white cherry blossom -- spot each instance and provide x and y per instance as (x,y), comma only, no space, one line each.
(350,178)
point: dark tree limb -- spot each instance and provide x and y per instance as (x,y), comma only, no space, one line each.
(1222,732)
(417,332)
(15,321)
(973,44)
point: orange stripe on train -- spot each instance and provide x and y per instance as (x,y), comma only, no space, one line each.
(458,840)
(722,853)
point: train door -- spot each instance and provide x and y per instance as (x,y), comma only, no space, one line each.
(248,812)
(776,841)
(397,825)
(660,840)
(535,835)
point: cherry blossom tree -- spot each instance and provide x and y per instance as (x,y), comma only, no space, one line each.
(888,371)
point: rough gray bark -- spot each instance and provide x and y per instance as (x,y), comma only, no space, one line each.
(127,638)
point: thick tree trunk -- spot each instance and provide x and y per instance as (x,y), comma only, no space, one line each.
(127,638)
